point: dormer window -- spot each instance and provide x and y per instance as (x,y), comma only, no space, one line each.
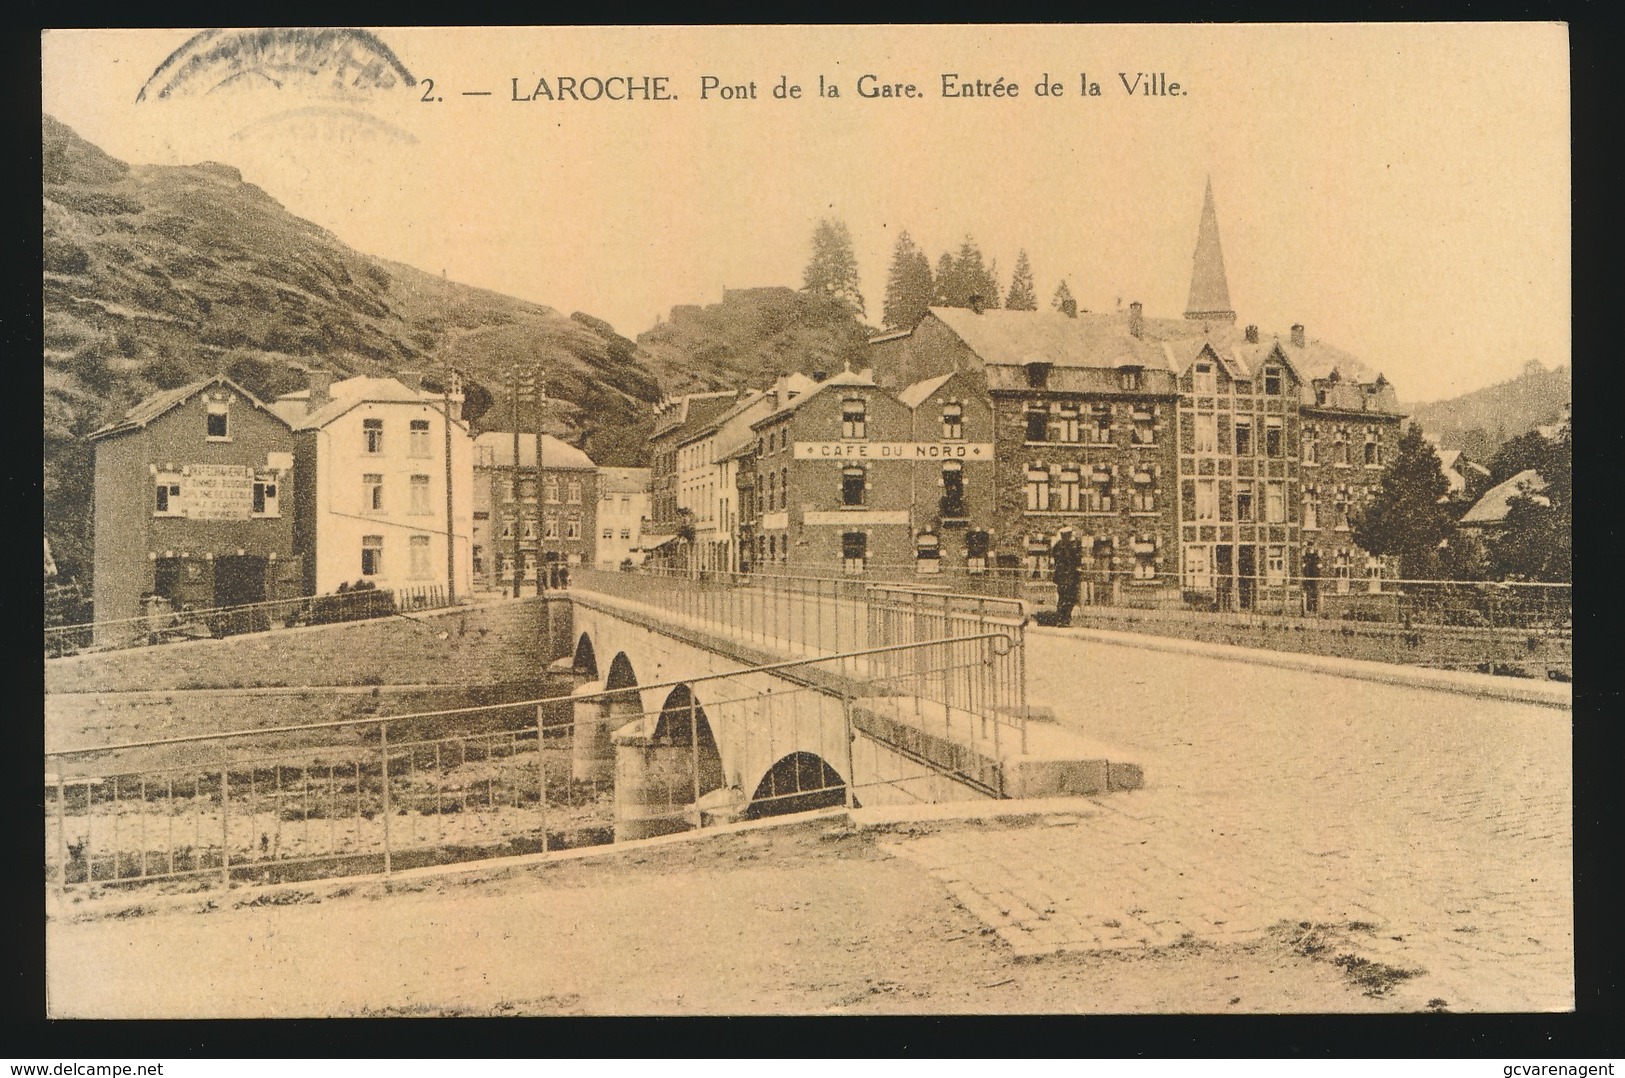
(1037,375)
(219,429)
(1203,380)
(1128,378)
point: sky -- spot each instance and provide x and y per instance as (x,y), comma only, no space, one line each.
(1401,190)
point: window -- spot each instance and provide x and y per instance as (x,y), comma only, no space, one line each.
(1203,380)
(953,489)
(784,488)
(1199,568)
(1244,501)
(772,490)
(853,421)
(852,484)
(1069,490)
(1098,492)
(927,553)
(1145,428)
(1099,428)
(1128,378)
(530,528)
(418,550)
(1063,423)
(372,555)
(1037,375)
(1207,499)
(1275,565)
(420,494)
(953,422)
(1275,502)
(1311,513)
(572,527)
(1340,572)
(1038,560)
(609,533)
(372,493)
(1340,446)
(507,527)
(626,503)
(551,484)
(1207,434)
(167,497)
(1145,561)
(1373,448)
(527,487)
(854,549)
(1340,509)
(1272,381)
(479,560)
(372,430)
(572,493)
(1037,489)
(976,544)
(218,429)
(1244,436)
(1311,448)
(626,533)
(1037,423)
(529,563)
(1144,500)
(550,528)
(418,438)
(1274,437)
(265,499)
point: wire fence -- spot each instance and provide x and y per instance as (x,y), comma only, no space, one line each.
(164,622)
(382,794)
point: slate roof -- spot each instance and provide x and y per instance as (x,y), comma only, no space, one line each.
(1014,338)
(347,394)
(913,395)
(156,405)
(843,378)
(618,480)
(1492,508)
(555,454)
(1210,291)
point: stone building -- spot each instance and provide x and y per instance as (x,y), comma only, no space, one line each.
(193,503)
(546,516)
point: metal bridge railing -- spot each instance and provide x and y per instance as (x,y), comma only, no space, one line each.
(165,623)
(384,793)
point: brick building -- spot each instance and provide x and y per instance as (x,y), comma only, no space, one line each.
(549,516)
(193,495)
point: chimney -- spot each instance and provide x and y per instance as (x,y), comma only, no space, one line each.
(321,389)
(1069,307)
(412,380)
(819,376)
(1252,334)
(1136,319)
(1297,335)
(976,303)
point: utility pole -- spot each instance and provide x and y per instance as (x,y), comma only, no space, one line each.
(518,506)
(541,545)
(451,537)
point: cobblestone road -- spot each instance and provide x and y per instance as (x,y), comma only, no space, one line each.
(1437,825)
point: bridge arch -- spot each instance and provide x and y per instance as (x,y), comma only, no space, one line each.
(674,724)
(621,674)
(585,661)
(799,782)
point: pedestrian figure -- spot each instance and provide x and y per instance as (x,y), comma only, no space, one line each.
(1067,557)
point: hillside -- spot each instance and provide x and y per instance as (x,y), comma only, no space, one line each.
(155,276)
(749,337)
(1481,421)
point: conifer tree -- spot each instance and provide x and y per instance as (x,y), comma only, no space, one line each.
(1022,296)
(1063,296)
(832,271)
(1406,516)
(946,276)
(908,285)
(990,285)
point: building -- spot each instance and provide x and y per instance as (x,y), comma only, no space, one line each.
(675,419)
(1488,515)
(1460,473)
(1171,446)
(193,495)
(546,516)
(374,506)
(623,503)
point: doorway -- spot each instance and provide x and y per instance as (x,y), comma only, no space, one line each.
(239,580)
(1247,570)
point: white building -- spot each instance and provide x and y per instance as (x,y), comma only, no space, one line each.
(375,507)
(623,504)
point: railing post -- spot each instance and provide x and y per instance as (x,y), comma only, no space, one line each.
(694,754)
(541,771)
(851,777)
(225,828)
(61,833)
(383,751)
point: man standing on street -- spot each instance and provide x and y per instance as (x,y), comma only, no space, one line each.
(1067,557)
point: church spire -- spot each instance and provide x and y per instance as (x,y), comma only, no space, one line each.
(1210,293)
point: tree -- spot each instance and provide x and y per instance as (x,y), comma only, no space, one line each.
(1063,298)
(1536,539)
(990,285)
(1406,516)
(946,277)
(1520,454)
(908,285)
(833,270)
(1022,297)
(963,275)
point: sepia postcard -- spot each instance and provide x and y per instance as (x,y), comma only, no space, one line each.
(807,520)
